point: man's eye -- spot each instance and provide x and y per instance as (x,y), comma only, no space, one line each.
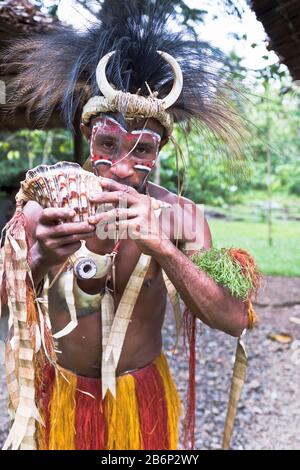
(108,145)
(141,151)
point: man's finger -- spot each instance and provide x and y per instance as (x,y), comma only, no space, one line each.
(54,214)
(103,231)
(112,216)
(111,185)
(72,228)
(114,197)
(70,239)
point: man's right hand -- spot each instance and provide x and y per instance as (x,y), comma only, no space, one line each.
(57,237)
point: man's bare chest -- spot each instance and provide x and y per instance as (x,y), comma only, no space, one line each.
(87,292)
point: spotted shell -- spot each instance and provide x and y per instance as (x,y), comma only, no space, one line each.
(64,184)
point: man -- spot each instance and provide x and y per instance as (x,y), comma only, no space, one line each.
(126,131)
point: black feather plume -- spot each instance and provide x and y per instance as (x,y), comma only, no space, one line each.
(56,71)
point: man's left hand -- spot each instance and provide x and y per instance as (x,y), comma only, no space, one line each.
(133,216)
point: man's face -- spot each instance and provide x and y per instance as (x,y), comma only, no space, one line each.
(127,156)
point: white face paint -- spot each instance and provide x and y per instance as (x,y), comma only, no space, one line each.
(111,143)
(106,121)
(147,131)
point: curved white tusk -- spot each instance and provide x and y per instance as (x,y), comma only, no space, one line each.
(171,98)
(106,89)
(109,92)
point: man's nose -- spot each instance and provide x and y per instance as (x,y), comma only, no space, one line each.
(122,169)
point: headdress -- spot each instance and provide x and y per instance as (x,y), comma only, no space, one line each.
(129,61)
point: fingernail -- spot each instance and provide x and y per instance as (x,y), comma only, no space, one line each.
(92,219)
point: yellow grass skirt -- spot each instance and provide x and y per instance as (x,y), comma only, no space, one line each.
(144,415)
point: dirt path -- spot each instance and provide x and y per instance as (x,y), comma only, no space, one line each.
(269,411)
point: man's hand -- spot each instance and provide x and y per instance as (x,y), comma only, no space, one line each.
(133,216)
(57,237)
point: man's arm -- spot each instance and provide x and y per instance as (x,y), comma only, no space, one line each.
(213,304)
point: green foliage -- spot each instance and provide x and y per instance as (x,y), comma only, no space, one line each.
(271,113)
(207,176)
(51,9)
(274,125)
(293,183)
(26,149)
(281,259)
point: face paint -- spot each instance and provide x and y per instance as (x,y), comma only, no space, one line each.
(111,143)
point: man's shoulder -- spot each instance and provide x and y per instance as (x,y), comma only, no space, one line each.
(163,194)
(191,221)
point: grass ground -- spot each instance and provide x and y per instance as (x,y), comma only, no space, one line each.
(282,258)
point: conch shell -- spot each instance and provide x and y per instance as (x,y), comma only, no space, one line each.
(64,184)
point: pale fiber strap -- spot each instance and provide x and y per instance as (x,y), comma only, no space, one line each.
(46,302)
(22,432)
(11,377)
(70,300)
(108,371)
(238,379)
(125,308)
(12,344)
(175,301)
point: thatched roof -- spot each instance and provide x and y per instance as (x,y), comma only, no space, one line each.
(20,17)
(281,20)
(17,18)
